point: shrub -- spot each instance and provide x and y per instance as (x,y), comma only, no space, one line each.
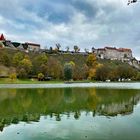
(41,77)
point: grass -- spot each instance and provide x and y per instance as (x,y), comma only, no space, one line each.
(35,81)
(28,81)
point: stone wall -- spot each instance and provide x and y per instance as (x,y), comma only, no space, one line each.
(113,53)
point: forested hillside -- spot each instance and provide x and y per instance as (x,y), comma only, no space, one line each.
(16,64)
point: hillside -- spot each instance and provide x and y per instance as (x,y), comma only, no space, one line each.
(55,64)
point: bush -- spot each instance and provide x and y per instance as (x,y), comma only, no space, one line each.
(13,76)
(41,77)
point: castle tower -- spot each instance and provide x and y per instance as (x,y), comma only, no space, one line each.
(2,38)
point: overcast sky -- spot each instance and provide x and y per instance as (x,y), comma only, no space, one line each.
(85,23)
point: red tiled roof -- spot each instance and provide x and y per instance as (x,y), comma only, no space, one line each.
(124,50)
(2,37)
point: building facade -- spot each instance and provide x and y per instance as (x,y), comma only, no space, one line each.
(4,43)
(113,53)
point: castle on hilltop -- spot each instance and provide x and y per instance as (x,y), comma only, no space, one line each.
(113,53)
(4,43)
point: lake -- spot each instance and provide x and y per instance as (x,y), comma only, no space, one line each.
(103,111)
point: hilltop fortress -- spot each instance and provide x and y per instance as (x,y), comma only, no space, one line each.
(113,53)
(110,53)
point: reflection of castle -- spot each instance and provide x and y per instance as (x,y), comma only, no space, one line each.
(4,43)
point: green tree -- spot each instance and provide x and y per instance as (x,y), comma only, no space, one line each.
(22,73)
(17,58)
(26,64)
(54,68)
(68,71)
(13,76)
(40,64)
(76,48)
(138,76)
(5,59)
(125,71)
(102,73)
(41,76)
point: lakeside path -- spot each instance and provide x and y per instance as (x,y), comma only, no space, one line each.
(76,85)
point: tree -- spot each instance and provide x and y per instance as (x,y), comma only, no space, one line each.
(68,71)
(40,64)
(138,76)
(41,76)
(54,68)
(67,48)
(102,73)
(86,50)
(25,67)
(76,48)
(26,64)
(17,58)
(13,76)
(58,46)
(51,50)
(22,73)
(91,60)
(125,71)
(5,59)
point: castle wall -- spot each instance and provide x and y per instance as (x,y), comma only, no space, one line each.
(113,54)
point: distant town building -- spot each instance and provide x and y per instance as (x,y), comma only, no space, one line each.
(4,43)
(113,53)
(33,46)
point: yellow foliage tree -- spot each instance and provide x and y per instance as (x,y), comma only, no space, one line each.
(91,60)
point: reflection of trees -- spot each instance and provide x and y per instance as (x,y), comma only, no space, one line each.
(77,115)
(69,97)
(28,104)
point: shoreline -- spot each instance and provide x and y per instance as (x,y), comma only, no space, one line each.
(115,85)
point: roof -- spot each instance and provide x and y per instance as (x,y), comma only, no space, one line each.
(111,48)
(101,49)
(33,44)
(2,37)
(124,50)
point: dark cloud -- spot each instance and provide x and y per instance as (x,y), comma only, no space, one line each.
(86,23)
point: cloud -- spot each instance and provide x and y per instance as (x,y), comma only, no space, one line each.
(87,23)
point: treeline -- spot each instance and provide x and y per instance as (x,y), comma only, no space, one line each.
(46,67)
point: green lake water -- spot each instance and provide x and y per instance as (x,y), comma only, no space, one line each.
(88,113)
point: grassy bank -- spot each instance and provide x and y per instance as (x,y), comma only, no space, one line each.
(35,81)
(28,81)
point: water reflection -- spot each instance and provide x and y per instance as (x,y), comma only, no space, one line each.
(30,104)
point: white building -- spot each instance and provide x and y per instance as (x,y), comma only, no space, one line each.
(113,53)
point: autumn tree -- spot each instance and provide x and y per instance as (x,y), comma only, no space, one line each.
(92,64)
(25,66)
(5,59)
(13,76)
(91,60)
(17,58)
(102,73)
(54,68)
(125,71)
(40,64)
(67,71)
(41,76)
